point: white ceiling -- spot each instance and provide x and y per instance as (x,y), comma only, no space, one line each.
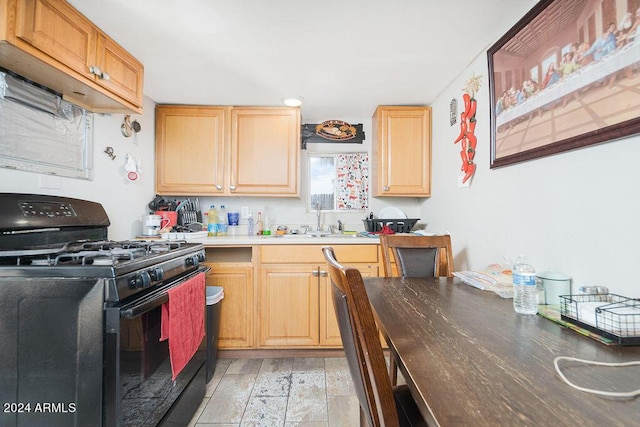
(343,57)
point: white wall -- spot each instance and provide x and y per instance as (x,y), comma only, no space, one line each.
(124,201)
(574,212)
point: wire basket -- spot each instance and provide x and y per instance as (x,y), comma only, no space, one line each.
(403,225)
(613,316)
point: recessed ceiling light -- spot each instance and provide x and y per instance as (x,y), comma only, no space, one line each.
(294,101)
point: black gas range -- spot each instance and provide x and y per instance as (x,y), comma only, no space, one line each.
(80,318)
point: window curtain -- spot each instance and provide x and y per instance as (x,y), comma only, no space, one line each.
(352,174)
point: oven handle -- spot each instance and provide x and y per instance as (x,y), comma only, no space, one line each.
(157,299)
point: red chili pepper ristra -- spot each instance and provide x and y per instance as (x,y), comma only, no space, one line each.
(471,169)
(472,140)
(467,136)
(471,112)
(466,98)
(471,153)
(465,161)
(471,127)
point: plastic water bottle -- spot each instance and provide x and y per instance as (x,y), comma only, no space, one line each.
(212,218)
(222,221)
(250,226)
(525,291)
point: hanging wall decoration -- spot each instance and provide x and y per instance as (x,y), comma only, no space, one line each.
(332,131)
(453,112)
(467,137)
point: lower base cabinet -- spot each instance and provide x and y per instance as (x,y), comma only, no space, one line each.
(296,307)
(279,296)
(234,271)
(289,296)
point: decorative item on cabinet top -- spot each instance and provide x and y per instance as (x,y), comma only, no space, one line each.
(331,131)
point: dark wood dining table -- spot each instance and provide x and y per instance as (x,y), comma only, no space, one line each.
(470,360)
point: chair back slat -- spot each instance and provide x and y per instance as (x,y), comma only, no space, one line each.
(417,256)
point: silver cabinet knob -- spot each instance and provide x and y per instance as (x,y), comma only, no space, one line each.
(385,188)
(95,70)
(232,187)
(218,187)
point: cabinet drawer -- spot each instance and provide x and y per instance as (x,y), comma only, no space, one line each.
(313,253)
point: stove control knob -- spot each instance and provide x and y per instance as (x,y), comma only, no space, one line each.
(201,257)
(192,261)
(142,280)
(156,274)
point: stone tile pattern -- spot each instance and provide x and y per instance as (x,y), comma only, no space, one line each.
(290,392)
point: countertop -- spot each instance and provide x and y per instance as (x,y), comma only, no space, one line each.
(286,240)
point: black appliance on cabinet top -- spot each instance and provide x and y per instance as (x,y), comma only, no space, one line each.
(80,319)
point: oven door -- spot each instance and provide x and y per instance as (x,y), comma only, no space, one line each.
(50,350)
(138,386)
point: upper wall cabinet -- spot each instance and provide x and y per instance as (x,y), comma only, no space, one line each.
(402,151)
(265,143)
(51,43)
(227,151)
(190,149)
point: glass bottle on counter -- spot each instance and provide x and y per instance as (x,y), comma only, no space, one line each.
(259,225)
(222,221)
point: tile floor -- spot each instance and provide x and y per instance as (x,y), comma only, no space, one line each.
(290,392)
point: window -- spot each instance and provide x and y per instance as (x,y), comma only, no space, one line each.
(339,182)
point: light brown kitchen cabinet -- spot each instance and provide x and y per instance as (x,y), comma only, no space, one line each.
(296,307)
(289,303)
(401,159)
(265,143)
(190,149)
(232,269)
(51,43)
(227,151)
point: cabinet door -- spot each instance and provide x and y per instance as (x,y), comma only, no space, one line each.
(58,30)
(329,330)
(264,151)
(237,306)
(402,151)
(190,150)
(289,305)
(125,73)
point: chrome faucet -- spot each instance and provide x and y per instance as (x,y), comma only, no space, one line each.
(318,227)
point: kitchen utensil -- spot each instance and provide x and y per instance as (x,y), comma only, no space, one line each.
(168,219)
(234,218)
(151,225)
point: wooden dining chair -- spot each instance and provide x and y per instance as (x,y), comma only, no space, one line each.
(417,256)
(381,404)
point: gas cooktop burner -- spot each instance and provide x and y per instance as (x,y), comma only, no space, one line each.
(98,253)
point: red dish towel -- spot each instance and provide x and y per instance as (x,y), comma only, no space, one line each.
(183,321)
